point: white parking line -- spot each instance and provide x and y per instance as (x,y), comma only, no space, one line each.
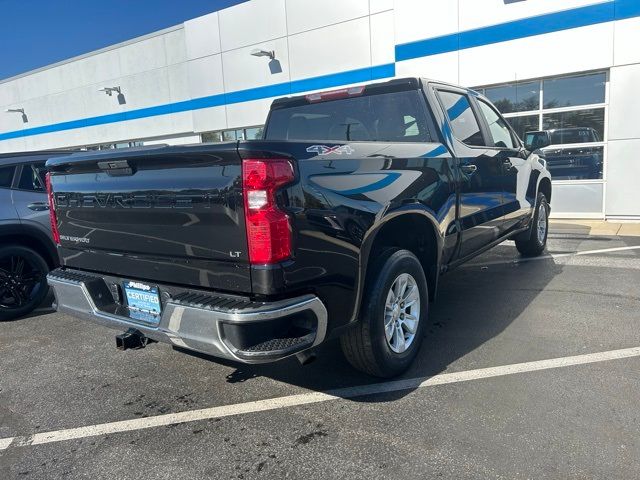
(553,255)
(308,398)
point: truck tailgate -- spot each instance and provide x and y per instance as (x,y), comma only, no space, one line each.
(163,215)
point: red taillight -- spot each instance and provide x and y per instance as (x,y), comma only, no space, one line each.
(335,94)
(52,210)
(268,228)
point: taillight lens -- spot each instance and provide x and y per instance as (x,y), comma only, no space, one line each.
(268,228)
(52,210)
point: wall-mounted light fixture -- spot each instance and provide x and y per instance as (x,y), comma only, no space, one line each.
(25,119)
(274,64)
(111,90)
(264,53)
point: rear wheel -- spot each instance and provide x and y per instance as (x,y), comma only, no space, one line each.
(393,317)
(23,281)
(537,240)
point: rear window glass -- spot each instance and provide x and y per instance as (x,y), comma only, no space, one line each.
(6,176)
(387,117)
(32,177)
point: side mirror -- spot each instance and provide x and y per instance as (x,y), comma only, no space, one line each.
(536,140)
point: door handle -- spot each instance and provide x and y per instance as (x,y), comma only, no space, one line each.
(468,169)
(38,206)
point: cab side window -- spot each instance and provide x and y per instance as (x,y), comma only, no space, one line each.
(32,177)
(497,126)
(463,121)
(6,176)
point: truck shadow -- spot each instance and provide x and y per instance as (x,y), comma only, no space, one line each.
(475,304)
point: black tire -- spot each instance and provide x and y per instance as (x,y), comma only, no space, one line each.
(365,346)
(536,243)
(22,288)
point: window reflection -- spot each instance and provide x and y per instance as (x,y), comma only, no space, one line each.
(574,163)
(522,125)
(576,90)
(519,97)
(573,125)
(253,133)
(463,120)
(581,126)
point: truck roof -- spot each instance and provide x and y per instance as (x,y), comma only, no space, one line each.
(23,157)
(397,84)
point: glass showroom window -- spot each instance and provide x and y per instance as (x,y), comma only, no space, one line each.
(252,133)
(572,108)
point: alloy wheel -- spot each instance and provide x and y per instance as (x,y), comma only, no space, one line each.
(402,313)
(542,223)
(20,281)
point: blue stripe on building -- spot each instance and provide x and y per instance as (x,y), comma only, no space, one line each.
(277,90)
(523,28)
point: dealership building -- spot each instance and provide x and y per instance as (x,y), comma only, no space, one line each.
(571,67)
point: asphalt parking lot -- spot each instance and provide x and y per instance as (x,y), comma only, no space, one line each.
(530,369)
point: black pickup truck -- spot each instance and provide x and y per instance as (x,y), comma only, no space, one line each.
(337,224)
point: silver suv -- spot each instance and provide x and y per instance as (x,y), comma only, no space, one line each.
(27,251)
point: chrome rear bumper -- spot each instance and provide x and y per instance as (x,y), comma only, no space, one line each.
(228,327)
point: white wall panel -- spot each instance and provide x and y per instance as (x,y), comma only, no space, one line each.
(178,78)
(480,13)
(252,22)
(577,200)
(148,127)
(382,38)
(74,74)
(175,47)
(442,67)
(97,134)
(418,19)
(142,56)
(205,76)
(242,70)
(40,84)
(207,119)
(202,36)
(573,50)
(627,39)
(102,67)
(623,172)
(181,122)
(9,93)
(146,89)
(70,105)
(248,113)
(13,145)
(624,102)
(376,6)
(305,15)
(323,51)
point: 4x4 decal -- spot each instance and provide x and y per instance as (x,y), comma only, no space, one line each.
(327,150)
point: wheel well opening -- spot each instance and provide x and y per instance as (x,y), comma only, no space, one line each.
(545,187)
(415,233)
(32,243)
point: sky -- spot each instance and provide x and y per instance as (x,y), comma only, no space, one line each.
(36,33)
